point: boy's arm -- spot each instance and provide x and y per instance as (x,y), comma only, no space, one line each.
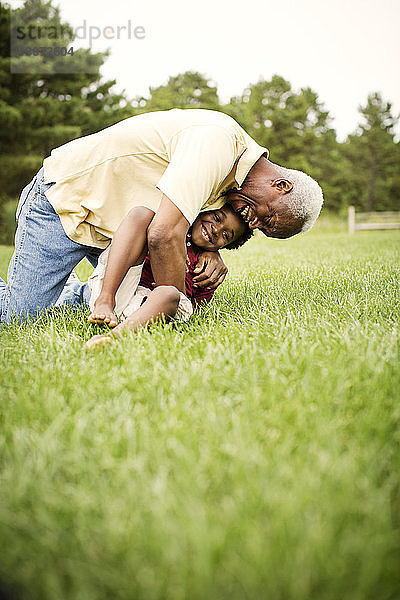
(128,248)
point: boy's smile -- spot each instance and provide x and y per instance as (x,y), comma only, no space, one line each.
(206,232)
(215,229)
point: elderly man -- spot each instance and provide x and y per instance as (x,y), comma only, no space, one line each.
(176,163)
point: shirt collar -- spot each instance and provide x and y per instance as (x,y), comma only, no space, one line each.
(248,158)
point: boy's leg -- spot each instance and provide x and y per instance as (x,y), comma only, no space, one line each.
(95,285)
(43,259)
(78,293)
(128,248)
(126,293)
(161,302)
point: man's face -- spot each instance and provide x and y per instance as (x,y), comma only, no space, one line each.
(260,201)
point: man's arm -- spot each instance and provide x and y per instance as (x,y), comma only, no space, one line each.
(128,248)
(201,159)
(166,239)
(210,271)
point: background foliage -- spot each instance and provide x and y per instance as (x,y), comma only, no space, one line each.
(41,112)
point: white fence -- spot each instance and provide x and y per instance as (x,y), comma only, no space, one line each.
(372,220)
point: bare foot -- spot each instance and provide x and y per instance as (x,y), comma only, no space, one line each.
(98,340)
(103,314)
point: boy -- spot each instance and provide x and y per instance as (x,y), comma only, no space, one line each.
(128,290)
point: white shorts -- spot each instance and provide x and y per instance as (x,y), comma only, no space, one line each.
(130,295)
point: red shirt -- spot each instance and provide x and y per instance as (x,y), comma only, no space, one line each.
(195,295)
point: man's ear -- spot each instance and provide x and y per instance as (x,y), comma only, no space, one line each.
(283,185)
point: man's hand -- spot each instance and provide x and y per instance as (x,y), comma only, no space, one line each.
(211,270)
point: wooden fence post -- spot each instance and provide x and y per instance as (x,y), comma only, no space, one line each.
(352,220)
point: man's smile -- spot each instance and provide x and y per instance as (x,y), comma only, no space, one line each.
(248,215)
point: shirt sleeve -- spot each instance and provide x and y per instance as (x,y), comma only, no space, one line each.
(200,159)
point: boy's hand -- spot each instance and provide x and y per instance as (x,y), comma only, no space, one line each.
(103,314)
(98,340)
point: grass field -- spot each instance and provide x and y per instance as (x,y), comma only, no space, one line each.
(253,453)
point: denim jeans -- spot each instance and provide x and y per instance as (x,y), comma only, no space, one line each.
(76,293)
(43,259)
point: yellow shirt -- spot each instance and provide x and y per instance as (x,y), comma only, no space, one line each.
(190,155)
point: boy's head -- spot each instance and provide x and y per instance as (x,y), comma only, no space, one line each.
(222,228)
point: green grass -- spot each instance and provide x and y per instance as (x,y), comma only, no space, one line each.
(250,454)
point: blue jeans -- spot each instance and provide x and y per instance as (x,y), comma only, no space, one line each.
(44,256)
(76,293)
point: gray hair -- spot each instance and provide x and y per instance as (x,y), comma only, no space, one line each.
(305,200)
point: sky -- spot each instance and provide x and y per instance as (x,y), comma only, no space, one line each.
(342,49)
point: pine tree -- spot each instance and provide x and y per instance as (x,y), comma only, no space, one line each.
(373,174)
(186,90)
(41,105)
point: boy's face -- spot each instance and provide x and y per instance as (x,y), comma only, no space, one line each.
(215,229)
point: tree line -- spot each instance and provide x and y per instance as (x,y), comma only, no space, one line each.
(44,107)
